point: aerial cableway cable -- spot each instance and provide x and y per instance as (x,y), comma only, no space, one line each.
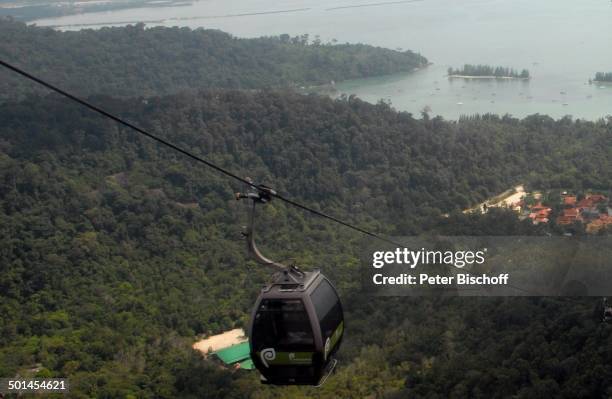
(183,151)
(297,322)
(187,153)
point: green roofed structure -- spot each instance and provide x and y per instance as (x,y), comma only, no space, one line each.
(236,354)
(247,365)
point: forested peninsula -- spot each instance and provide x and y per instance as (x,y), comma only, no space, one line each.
(139,61)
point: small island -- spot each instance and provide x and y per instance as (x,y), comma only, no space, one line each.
(603,77)
(487,72)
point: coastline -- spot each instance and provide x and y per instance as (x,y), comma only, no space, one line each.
(329,89)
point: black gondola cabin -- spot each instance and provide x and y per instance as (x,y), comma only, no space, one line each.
(296,327)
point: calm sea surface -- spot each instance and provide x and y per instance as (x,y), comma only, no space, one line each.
(562,42)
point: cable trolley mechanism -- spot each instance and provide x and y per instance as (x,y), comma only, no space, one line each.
(297,322)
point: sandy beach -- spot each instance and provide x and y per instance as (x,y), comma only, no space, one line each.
(216,342)
(512,199)
(503,200)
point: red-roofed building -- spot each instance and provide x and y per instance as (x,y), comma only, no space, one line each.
(594,226)
(584,211)
(604,221)
(538,207)
(569,200)
(585,203)
(565,220)
(569,216)
(596,198)
(571,212)
(539,214)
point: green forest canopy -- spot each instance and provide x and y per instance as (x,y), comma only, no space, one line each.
(118,252)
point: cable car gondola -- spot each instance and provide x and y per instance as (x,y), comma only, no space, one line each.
(297,323)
